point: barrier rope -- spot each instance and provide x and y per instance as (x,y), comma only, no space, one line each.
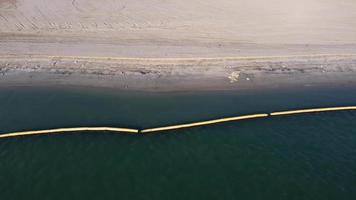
(180,126)
(313,110)
(61,130)
(203,123)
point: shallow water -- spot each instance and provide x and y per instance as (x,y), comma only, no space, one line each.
(311,156)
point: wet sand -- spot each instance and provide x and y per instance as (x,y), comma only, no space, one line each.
(157,74)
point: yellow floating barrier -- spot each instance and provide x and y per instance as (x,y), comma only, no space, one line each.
(61,130)
(203,123)
(180,126)
(313,110)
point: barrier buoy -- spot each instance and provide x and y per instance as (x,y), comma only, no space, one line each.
(174,127)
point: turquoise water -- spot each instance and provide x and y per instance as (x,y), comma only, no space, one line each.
(311,156)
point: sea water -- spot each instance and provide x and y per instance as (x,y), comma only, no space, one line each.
(307,156)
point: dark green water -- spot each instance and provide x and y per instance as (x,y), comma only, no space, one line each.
(310,156)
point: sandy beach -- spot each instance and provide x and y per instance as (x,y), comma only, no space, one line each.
(177,45)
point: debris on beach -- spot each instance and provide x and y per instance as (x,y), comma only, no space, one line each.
(234,76)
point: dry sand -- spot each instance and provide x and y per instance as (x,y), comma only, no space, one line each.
(175,36)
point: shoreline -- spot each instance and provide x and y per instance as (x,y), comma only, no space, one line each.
(177,45)
(179,74)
